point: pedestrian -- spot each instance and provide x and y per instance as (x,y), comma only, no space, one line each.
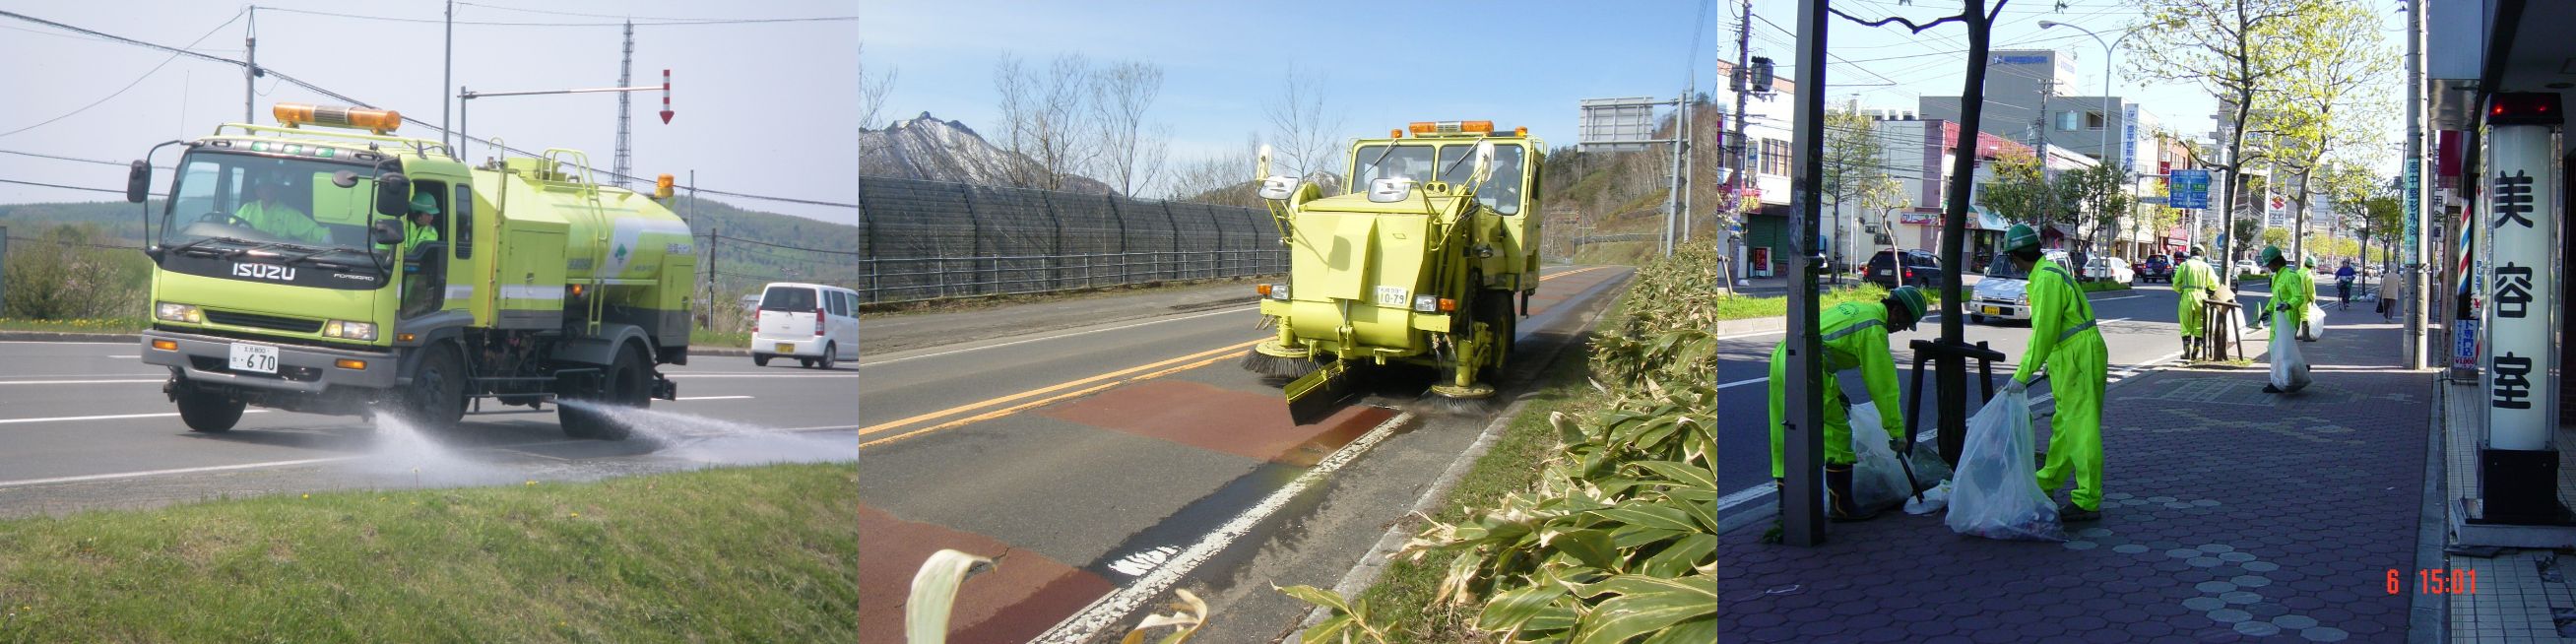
(2063,337)
(2292,290)
(2343,283)
(1854,336)
(2196,284)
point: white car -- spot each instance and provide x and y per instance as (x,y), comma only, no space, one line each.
(813,323)
(2110,269)
(2003,293)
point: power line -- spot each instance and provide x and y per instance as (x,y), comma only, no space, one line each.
(138,80)
(584,15)
(57,185)
(663,23)
(763,243)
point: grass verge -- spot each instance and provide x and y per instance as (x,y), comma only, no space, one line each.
(978,302)
(1513,464)
(2097,287)
(1739,308)
(99,325)
(737,554)
(702,337)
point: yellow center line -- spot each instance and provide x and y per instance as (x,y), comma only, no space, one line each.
(1203,359)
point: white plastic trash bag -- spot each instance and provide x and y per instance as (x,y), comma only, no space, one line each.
(1878,480)
(1933,500)
(2289,369)
(2315,325)
(1995,493)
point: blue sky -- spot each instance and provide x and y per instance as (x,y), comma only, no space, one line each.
(749,97)
(1390,62)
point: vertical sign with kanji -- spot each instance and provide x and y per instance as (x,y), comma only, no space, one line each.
(2521,303)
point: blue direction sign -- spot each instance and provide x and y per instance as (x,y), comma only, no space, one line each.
(2187,189)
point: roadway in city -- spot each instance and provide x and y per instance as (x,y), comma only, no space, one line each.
(1105,465)
(86,426)
(2138,325)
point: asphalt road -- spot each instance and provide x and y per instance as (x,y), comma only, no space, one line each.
(86,426)
(1099,462)
(2138,325)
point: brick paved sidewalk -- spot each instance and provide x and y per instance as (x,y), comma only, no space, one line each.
(2230,514)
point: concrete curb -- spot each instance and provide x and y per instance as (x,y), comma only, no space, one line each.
(123,338)
(1365,572)
(2429,614)
(1752,325)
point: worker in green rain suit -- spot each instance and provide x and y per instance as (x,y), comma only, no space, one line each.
(2063,338)
(1854,336)
(2193,280)
(2292,289)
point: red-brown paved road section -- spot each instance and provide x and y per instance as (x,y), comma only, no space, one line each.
(1218,411)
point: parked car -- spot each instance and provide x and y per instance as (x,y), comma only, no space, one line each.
(2003,293)
(2156,269)
(2109,269)
(817,325)
(2244,266)
(1894,268)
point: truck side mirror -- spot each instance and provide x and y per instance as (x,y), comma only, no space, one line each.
(138,182)
(385,232)
(393,196)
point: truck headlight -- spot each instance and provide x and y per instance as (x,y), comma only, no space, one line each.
(347,330)
(1426,303)
(175,312)
(1279,291)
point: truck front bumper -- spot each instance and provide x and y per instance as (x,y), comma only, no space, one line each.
(204,360)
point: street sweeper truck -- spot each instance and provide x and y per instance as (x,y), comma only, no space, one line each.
(323,265)
(1421,265)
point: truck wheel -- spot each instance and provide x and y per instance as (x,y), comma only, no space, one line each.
(758,360)
(825,362)
(623,384)
(207,412)
(438,391)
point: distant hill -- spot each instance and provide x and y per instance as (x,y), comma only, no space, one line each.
(743,259)
(927,148)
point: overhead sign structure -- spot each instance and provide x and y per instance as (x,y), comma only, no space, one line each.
(2188,189)
(1618,124)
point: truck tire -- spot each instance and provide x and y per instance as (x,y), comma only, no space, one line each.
(1504,319)
(208,413)
(624,384)
(437,396)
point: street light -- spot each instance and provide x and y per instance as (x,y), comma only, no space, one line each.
(2107,72)
(463,95)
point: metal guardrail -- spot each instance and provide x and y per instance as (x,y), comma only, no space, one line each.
(890,280)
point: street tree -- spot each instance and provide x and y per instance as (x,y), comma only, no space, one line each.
(2021,194)
(1046,119)
(1305,128)
(2236,50)
(2099,192)
(1131,151)
(1854,161)
(2331,106)
(872,100)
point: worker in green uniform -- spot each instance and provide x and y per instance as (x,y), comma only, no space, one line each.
(2063,338)
(2292,289)
(263,211)
(2195,283)
(420,227)
(1854,336)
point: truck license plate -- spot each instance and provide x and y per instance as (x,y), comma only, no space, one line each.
(256,358)
(1392,296)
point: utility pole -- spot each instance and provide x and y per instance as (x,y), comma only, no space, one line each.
(1673,192)
(625,74)
(1735,148)
(2417,194)
(1801,494)
(250,72)
(447,78)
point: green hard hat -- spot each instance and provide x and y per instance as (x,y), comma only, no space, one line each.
(2196,251)
(423,204)
(1912,299)
(2020,237)
(2270,254)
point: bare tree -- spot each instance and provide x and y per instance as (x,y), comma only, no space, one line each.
(1045,119)
(1305,130)
(1223,179)
(872,96)
(1131,155)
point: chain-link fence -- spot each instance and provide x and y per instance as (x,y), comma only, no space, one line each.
(921,240)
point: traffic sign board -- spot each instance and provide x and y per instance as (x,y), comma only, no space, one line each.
(2188,189)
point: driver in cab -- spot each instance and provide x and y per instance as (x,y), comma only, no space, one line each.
(269,215)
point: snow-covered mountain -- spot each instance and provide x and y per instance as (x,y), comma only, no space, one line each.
(927,148)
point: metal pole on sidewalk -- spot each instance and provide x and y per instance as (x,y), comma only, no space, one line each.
(2416,196)
(1802,510)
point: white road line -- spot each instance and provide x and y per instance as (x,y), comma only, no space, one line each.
(120,344)
(1060,335)
(1741,383)
(758,375)
(1108,611)
(1747,495)
(137,357)
(184,470)
(22,421)
(82,382)
(710,398)
(2116,299)
(1755,334)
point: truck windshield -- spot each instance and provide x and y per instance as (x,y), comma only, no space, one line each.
(1417,162)
(267,200)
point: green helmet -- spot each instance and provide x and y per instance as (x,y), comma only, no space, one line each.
(2197,251)
(2271,254)
(2020,237)
(423,204)
(1912,299)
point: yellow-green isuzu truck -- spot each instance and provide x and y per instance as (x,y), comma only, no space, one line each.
(290,272)
(1420,264)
